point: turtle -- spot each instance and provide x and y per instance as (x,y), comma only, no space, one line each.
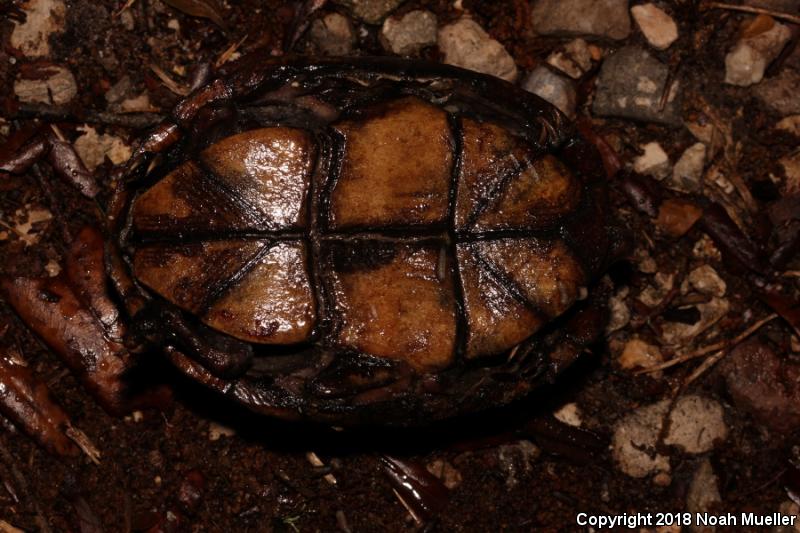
(349,241)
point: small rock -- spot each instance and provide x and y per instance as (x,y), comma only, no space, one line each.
(630,85)
(94,148)
(191,489)
(653,162)
(58,88)
(216,430)
(677,216)
(556,89)
(763,40)
(688,171)
(332,35)
(25,220)
(569,414)
(696,424)
(516,460)
(136,104)
(652,295)
(705,280)
(465,44)
(409,34)
(370,11)
(780,93)
(574,59)
(634,441)
(711,312)
(791,509)
(119,90)
(619,310)
(638,354)
(791,169)
(764,385)
(790,124)
(599,18)
(43,18)
(644,261)
(449,475)
(657,26)
(703,494)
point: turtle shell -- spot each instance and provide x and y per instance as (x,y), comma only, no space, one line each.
(381,232)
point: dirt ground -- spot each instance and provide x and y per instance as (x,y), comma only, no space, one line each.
(201,464)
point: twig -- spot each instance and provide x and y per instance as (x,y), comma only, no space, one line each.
(723,346)
(757,10)
(700,370)
(228,53)
(127,5)
(168,82)
(84,443)
(24,488)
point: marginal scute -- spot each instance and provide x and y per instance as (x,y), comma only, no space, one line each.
(546,273)
(506,184)
(396,167)
(496,320)
(269,168)
(399,307)
(272,303)
(189,274)
(187,202)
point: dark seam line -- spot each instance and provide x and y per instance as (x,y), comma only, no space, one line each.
(318,179)
(462,323)
(505,281)
(250,211)
(225,286)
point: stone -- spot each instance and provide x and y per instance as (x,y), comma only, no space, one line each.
(791,169)
(597,18)
(657,26)
(630,85)
(332,35)
(446,472)
(574,59)
(703,494)
(620,313)
(696,424)
(465,44)
(764,384)
(705,280)
(790,124)
(747,60)
(688,171)
(654,161)
(638,354)
(57,87)
(569,414)
(516,460)
(780,93)
(676,216)
(43,19)
(410,33)
(370,11)
(634,441)
(556,89)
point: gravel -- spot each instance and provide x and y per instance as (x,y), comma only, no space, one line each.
(466,44)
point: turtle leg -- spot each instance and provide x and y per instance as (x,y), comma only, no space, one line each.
(73,314)
(266,396)
(27,404)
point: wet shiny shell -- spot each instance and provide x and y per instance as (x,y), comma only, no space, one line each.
(400,216)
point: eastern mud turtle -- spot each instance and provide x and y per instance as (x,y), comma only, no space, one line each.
(360,241)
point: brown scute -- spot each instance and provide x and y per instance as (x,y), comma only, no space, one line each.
(545,272)
(538,195)
(273,303)
(186,202)
(269,168)
(187,275)
(401,309)
(396,167)
(496,320)
(489,152)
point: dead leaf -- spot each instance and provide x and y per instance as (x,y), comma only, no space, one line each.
(209,9)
